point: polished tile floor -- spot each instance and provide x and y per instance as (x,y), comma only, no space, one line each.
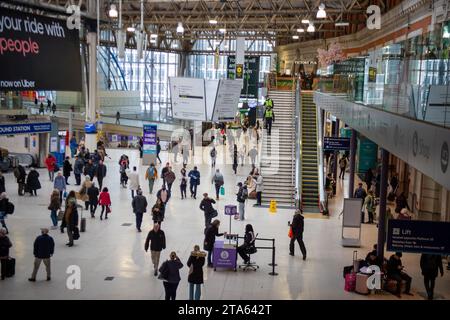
(108,249)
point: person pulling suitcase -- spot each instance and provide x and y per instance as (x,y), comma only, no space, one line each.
(7,263)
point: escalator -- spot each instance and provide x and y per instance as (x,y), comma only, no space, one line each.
(309,154)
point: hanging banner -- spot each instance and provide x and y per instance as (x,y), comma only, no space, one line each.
(21,128)
(336,144)
(38,53)
(251,75)
(149,139)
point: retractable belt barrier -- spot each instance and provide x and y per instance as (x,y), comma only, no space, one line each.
(272,264)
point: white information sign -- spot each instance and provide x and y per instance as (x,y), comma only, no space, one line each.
(188,98)
(227,100)
(211,91)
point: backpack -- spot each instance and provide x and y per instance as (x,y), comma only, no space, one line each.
(213,153)
(244,195)
(9,208)
(151,172)
(17,173)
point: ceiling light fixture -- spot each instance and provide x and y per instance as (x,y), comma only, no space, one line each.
(341,24)
(295,37)
(321,12)
(113,13)
(180,28)
(300,30)
(306,21)
(213,21)
(131,29)
(311,28)
(222,30)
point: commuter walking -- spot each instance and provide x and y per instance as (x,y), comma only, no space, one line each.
(83,191)
(235,159)
(369,202)
(70,221)
(54,207)
(104,200)
(206,205)
(49,106)
(164,171)
(60,185)
(164,195)
(210,238)
(33,183)
(170,178)
(67,169)
(41,109)
(89,169)
(259,181)
(20,174)
(6,207)
(195,263)
(242,196)
(218,182)
(194,181)
(342,166)
(170,274)
(158,212)
(53,108)
(183,186)
(101,173)
(50,163)
(93,193)
(139,205)
(213,155)
(133,176)
(297,226)
(123,173)
(2,183)
(156,241)
(5,244)
(73,146)
(253,153)
(43,250)
(78,169)
(151,175)
(360,193)
(185,151)
(269,115)
(158,149)
(430,265)
(118,117)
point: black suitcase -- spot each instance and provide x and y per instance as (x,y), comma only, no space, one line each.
(10,267)
(83,225)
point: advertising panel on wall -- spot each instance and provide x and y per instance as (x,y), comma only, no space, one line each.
(149,139)
(38,53)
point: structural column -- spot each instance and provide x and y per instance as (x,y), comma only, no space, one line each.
(335,160)
(351,183)
(91,105)
(383,195)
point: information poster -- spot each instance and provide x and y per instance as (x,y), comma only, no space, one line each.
(188,98)
(149,139)
(227,100)
(251,75)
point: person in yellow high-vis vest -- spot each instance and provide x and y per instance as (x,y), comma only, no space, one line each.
(269,115)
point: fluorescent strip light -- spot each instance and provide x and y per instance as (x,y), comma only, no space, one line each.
(131,29)
(341,24)
(306,21)
(295,37)
(300,30)
(213,21)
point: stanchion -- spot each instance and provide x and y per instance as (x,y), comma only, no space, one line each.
(273,273)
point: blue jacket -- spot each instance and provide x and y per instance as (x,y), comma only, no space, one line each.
(73,143)
(60,183)
(195,177)
(44,246)
(78,166)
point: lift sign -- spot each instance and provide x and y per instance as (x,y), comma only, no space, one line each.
(23,128)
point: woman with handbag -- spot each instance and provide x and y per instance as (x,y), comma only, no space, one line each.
(54,206)
(170,274)
(70,221)
(195,263)
(105,201)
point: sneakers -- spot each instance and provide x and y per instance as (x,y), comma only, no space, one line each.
(291,253)
(48,278)
(31,279)
(155,273)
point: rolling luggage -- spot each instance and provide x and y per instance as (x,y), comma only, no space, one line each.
(357,263)
(10,267)
(350,282)
(361,283)
(83,225)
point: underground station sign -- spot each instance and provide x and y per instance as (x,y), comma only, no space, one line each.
(419,236)
(336,144)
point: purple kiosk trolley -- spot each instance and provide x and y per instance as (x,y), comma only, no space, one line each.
(225,255)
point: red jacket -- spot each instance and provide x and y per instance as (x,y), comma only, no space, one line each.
(104,199)
(50,163)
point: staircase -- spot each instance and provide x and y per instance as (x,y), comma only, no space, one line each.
(278,152)
(309,154)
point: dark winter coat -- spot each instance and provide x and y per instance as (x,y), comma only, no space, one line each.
(298,224)
(67,168)
(72,220)
(174,270)
(2,184)
(206,205)
(89,170)
(156,240)
(5,244)
(139,204)
(55,204)
(158,216)
(44,247)
(78,166)
(431,264)
(93,193)
(197,262)
(101,171)
(33,180)
(210,237)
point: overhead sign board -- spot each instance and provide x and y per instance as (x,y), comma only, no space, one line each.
(22,128)
(250,75)
(336,144)
(418,236)
(227,100)
(188,98)
(38,53)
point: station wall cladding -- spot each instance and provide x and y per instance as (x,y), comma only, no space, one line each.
(38,53)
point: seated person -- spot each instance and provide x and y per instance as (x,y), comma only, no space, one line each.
(394,272)
(372,258)
(249,244)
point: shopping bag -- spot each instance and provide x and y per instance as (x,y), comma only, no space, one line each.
(108,209)
(60,215)
(222,191)
(290,233)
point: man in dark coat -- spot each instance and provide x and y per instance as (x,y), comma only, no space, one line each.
(67,169)
(156,239)
(78,169)
(101,173)
(394,272)
(44,247)
(430,265)
(93,193)
(206,205)
(139,205)
(33,183)
(297,226)
(20,175)
(89,169)
(211,232)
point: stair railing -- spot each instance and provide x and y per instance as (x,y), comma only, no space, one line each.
(297,145)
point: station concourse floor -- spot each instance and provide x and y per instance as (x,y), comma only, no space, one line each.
(108,249)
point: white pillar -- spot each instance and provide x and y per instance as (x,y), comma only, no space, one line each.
(91,106)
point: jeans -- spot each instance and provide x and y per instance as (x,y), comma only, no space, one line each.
(210,252)
(217,190)
(342,173)
(207,219)
(78,178)
(2,220)
(51,175)
(258,198)
(242,210)
(429,286)
(139,216)
(54,217)
(37,264)
(70,235)
(213,162)
(157,157)
(151,183)
(169,186)
(93,208)
(100,183)
(300,243)
(132,194)
(171,290)
(193,188)
(183,191)
(198,291)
